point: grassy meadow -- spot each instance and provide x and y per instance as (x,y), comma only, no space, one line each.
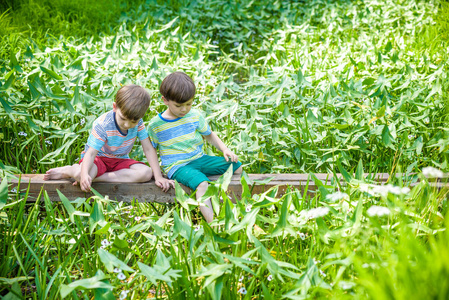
(292,87)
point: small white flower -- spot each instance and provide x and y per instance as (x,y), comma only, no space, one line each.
(411,136)
(105,243)
(236,44)
(322,273)
(432,172)
(241,278)
(127,212)
(378,211)
(121,276)
(130,241)
(336,196)
(248,208)
(23,133)
(242,291)
(270,277)
(316,261)
(14,190)
(234,119)
(427,120)
(137,218)
(82,121)
(123,294)
(131,216)
(317,212)
(215,42)
(102,247)
(302,141)
(197,228)
(48,142)
(302,236)
(117,270)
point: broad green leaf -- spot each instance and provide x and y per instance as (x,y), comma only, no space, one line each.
(88,283)
(110,261)
(51,73)
(3,192)
(68,206)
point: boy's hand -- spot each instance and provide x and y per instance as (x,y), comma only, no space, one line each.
(229,155)
(85,183)
(165,183)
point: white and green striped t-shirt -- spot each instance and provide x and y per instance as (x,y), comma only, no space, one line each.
(179,141)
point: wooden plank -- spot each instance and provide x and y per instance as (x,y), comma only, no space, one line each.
(149,192)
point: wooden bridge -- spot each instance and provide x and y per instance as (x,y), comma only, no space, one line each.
(149,192)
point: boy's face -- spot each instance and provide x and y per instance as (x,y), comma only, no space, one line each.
(123,123)
(178,110)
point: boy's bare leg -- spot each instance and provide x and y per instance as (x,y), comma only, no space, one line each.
(73,171)
(207,210)
(62,172)
(135,173)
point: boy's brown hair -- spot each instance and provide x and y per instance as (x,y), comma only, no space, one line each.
(178,87)
(133,101)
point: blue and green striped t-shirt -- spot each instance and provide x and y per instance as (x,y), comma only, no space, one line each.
(179,140)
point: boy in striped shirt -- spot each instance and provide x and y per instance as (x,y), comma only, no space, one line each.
(106,154)
(178,135)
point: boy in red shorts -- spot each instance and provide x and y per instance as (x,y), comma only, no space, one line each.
(106,154)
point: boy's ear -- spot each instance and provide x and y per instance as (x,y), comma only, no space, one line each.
(165,100)
(114,106)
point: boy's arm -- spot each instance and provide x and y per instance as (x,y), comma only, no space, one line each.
(217,143)
(151,155)
(86,165)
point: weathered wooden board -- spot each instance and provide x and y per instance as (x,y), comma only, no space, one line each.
(149,192)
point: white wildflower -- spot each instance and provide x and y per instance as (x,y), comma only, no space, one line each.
(270,277)
(383,190)
(302,141)
(411,136)
(121,276)
(105,242)
(82,121)
(130,241)
(48,142)
(14,190)
(432,172)
(427,120)
(322,273)
(117,270)
(23,133)
(197,228)
(248,208)
(316,212)
(302,236)
(241,278)
(124,294)
(137,218)
(336,196)
(378,211)
(242,291)
(215,42)
(236,44)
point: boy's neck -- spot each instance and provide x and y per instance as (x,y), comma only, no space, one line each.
(167,115)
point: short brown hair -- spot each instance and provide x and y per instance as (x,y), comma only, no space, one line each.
(133,101)
(178,87)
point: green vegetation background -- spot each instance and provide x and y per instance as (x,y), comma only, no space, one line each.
(290,86)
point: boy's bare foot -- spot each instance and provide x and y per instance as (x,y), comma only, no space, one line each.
(57,173)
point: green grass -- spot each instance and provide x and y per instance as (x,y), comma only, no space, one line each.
(266,244)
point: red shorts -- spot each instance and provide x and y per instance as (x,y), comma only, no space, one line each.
(107,164)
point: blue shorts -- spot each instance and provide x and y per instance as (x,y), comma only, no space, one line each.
(198,170)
